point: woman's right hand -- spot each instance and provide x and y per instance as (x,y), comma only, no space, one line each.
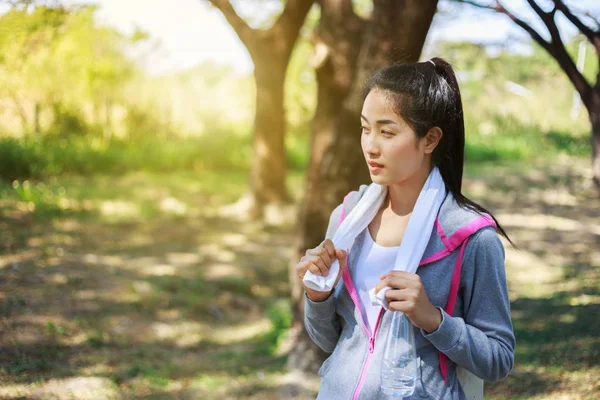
(318,261)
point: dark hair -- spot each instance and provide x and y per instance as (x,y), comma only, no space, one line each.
(426,95)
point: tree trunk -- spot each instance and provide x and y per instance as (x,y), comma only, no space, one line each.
(270,50)
(268,168)
(395,32)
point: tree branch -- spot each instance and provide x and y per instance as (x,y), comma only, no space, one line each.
(526,27)
(555,47)
(241,28)
(340,8)
(538,10)
(292,18)
(593,18)
(548,20)
(499,8)
(347,9)
(586,30)
(478,5)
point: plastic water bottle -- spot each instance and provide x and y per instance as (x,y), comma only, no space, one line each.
(399,363)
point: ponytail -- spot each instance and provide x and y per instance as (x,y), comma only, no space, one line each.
(450,157)
(427,95)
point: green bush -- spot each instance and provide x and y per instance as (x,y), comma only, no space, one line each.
(49,156)
(488,138)
(42,199)
(280,315)
(18,159)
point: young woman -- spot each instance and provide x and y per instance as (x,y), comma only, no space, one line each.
(412,122)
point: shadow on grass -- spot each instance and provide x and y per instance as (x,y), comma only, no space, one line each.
(551,332)
(70,288)
(552,335)
(162,359)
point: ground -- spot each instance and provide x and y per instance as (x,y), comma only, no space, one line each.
(141,287)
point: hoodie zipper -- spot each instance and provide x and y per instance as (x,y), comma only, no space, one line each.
(370,337)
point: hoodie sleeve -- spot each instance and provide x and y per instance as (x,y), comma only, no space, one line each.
(320,319)
(482,341)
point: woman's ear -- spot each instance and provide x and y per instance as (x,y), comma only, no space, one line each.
(432,139)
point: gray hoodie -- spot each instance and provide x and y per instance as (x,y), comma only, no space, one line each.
(476,331)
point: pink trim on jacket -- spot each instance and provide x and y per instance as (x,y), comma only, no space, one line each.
(371,336)
(466,231)
(452,302)
(459,238)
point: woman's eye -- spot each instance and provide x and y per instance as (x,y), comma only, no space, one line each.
(364,130)
(386,133)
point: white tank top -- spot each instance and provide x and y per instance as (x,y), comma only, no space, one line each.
(373,261)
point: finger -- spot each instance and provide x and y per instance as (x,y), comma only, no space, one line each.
(396,295)
(303,263)
(301,268)
(303,259)
(307,265)
(329,247)
(342,256)
(322,265)
(322,254)
(404,275)
(312,267)
(326,257)
(383,283)
(401,283)
(399,306)
(379,286)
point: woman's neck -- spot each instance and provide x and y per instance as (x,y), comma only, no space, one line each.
(402,197)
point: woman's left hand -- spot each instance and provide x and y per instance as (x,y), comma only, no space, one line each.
(408,295)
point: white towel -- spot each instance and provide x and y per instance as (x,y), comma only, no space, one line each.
(417,232)
(354,223)
(415,238)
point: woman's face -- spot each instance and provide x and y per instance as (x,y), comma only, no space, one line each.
(391,148)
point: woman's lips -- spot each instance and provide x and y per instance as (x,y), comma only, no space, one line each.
(375,167)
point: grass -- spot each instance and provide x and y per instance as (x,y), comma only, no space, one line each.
(110,304)
(30,157)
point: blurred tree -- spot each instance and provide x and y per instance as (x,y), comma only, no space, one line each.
(24,4)
(25,44)
(270,50)
(93,56)
(346,48)
(41,46)
(589,91)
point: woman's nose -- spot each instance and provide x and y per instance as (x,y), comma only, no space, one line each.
(371,146)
